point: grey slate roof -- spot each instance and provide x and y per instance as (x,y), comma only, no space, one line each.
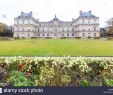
(25,15)
(55,18)
(86,14)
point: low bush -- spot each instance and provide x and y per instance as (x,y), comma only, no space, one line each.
(57,71)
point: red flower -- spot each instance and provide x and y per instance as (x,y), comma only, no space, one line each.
(22,67)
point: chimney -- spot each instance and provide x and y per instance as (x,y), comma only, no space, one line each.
(22,12)
(80,12)
(31,12)
(90,11)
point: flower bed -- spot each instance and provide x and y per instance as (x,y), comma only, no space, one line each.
(56,71)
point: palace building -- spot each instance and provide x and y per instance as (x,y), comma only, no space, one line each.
(86,25)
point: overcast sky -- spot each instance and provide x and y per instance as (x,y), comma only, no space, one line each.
(64,9)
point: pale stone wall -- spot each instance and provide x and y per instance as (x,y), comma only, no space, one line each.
(80,27)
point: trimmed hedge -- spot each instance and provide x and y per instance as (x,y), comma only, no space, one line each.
(57,71)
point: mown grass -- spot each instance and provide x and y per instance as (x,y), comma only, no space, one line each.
(56,47)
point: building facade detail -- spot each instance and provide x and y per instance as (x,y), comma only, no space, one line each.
(86,25)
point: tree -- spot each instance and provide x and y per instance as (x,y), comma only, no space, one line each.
(6,31)
(109,27)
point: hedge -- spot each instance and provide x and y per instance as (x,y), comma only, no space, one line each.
(67,71)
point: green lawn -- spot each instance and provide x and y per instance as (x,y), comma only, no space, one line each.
(56,47)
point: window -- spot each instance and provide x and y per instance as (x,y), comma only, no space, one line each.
(82,21)
(83,29)
(28,21)
(22,35)
(55,29)
(83,34)
(89,34)
(55,34)
(17,28)
(47,34)
(94,34)
(89,29)
(95,21)
(89,21)
(62,34)
(38,34)
(72,34)
(94,29)
(28,35)
(22,21)
(68,34)
(17,34)
(17,22)
(43,34)
(23,29)
(28,28)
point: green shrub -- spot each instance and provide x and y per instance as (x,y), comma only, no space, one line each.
(18,78)
(57,71)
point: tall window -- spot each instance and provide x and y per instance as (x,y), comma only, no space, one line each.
(38,29)
(22,35)
(94,29)
(83,29)
(22,21)
(55,34)
(89,21)
(72,34)
(23,29)
(83,34)
(89,29)
(83,21)
(89,34)
(28,35)
(63,34)
(94,34)
(47,34)
(43,34)
(38,34)
(67,34)
(94,21)
(28,21)
(17,22)
(17,34)
(28,28)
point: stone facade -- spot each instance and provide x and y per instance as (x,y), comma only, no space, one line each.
(86,25)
